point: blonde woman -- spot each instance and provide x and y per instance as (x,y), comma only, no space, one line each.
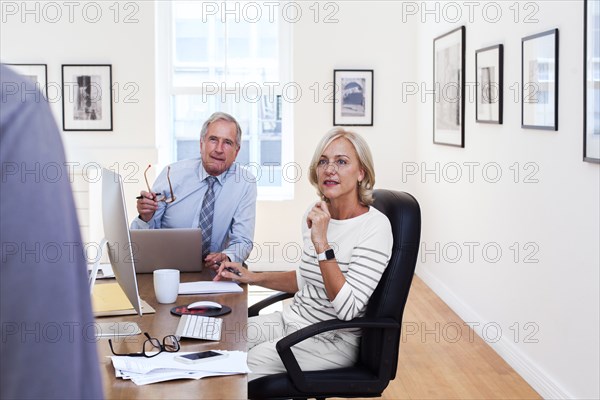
(346,247)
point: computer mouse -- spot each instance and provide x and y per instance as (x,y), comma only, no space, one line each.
(204,304)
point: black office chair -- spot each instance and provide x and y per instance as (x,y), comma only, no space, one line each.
(381,325)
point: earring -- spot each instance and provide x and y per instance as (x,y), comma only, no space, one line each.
(359,183)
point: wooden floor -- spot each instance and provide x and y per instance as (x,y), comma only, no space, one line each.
(435,363)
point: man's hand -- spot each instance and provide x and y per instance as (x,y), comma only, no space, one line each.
(213,260)
(146,205)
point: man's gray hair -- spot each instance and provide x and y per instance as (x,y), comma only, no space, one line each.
(225,117)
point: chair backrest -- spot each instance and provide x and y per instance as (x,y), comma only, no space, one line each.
(390,296)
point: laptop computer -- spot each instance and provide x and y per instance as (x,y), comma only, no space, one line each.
(166,248)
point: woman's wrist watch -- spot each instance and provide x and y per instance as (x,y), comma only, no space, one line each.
(326,255)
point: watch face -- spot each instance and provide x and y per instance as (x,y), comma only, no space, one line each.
(329,254)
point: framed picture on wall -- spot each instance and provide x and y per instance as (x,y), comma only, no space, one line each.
(37,73)
(539,81)
(489,69)
(87,97)
(353,97)
(448,84)
(591,82)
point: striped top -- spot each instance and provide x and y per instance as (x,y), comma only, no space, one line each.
(362,247)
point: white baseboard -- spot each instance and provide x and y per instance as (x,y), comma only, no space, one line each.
(521,363)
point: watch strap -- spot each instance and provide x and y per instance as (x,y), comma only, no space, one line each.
(326,255)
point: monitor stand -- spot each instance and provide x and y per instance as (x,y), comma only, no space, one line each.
(94,273)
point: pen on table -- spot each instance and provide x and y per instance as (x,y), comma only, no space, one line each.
(233,271)
(141,197)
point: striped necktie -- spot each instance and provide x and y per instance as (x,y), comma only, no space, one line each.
(206,216)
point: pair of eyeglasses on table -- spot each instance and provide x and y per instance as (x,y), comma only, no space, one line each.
(159,196)
(152,347)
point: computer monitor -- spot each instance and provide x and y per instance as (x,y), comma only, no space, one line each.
(116,232)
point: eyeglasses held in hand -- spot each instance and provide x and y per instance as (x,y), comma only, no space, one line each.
(152,347)
(161,197)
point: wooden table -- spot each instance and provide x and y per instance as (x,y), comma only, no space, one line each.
(163,323)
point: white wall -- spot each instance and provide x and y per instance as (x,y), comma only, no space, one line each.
(559,214)
(121,34)
(319,48)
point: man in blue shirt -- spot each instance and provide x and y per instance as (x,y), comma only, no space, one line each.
(234,190)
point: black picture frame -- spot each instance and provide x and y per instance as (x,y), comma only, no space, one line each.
(489,83)
(87,97)
(38,73)
(353,94)
(539,81)
(449,88)
(591,84)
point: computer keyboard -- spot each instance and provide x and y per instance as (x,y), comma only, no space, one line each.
(199,327)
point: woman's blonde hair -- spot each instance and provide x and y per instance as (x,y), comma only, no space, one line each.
(365,187)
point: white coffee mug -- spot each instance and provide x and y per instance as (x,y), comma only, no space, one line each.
(166,285)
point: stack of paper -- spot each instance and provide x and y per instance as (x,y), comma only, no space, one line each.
(204,287)
(164,367)
(105,271)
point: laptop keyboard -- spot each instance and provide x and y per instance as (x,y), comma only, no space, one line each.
(199,327)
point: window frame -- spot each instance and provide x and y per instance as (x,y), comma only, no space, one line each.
(165,89)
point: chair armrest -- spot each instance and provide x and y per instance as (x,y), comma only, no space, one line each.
(254,309)
(284,346)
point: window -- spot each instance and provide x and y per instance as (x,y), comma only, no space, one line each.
(222,56)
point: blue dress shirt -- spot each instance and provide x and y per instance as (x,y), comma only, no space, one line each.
(235,206)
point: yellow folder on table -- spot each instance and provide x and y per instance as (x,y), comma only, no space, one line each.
(108,299)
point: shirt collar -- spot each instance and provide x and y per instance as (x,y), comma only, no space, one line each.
(202,174)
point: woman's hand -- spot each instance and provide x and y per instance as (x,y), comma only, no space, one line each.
(318,222)
(234,272)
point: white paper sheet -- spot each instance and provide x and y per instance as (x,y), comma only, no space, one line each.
(164,367)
